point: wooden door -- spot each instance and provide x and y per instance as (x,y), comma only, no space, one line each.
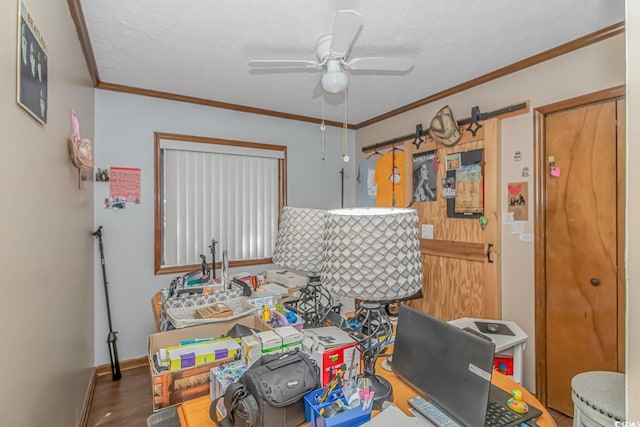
(460,278)
(581,247)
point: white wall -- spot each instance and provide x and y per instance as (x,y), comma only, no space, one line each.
(587,70)
(633,210)
(124,137)
(46,249)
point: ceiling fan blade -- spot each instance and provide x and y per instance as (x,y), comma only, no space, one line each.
(379,64)
(284,63)
(346,27)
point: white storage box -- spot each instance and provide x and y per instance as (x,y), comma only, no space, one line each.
(291,338)
(271,342)
(287,278)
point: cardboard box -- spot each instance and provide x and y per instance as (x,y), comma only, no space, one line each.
(251,349)
(271,342)
(186,356)
(172,388)
(214,311)
(331,347)
(291,338)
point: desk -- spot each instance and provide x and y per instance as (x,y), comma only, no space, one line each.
(195,413)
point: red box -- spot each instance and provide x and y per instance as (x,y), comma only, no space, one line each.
(331,348)
(333,359)
(503,364)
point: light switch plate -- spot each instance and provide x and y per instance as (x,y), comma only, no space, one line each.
(427,231)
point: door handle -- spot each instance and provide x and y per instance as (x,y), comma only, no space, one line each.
(489,248)
(594,281)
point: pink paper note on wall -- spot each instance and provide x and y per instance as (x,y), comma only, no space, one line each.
(125,182)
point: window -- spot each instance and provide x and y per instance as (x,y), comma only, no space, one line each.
(208,188)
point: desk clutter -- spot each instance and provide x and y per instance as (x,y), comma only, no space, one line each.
(261,375)
(190,301)
(258,362)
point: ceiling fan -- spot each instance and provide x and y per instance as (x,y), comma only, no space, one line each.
(332,52)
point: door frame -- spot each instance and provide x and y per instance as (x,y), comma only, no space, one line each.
(540,171)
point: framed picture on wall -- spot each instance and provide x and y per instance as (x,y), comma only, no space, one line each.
(424,177)
(32,90)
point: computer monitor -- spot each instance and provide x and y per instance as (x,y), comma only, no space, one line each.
(445,364)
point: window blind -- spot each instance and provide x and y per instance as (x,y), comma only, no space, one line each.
(226,192)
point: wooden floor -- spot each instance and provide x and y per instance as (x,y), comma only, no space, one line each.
(128,403)
(124,403)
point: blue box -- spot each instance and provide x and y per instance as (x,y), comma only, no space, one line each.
(351,417)
(310,401)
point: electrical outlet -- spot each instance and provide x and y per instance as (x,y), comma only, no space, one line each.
(427,231)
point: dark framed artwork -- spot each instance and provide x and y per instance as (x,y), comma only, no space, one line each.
(32,66)
(424,177)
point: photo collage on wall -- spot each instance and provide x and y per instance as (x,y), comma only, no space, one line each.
(463,184)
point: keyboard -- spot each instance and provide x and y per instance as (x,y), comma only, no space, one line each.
(431,412)
(420,419)
(497,415)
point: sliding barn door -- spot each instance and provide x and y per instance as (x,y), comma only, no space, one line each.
(461,264)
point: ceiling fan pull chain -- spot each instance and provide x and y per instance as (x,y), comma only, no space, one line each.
(345,139)
(323,128)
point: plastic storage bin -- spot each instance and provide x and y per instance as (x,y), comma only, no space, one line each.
(164,418)
(349,418)
(282,320)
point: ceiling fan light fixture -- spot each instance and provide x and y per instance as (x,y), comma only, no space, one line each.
(334,81)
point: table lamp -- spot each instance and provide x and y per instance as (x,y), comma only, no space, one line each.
(372,254)
(299,247)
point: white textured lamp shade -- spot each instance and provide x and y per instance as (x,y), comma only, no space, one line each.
(372,254)
(300,238)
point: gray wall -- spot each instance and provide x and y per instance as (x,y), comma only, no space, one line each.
(124,137)
(46,307)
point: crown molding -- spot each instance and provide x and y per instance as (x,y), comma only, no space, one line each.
(211,103)
(83,36)
(576,44)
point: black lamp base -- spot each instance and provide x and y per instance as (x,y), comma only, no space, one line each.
(382,389)
(314,304)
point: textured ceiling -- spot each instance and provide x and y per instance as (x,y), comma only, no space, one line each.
(202,48)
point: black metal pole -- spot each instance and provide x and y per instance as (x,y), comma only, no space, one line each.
(111,338)
(213,255)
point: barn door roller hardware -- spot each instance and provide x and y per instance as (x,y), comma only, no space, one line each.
(418,139)
(473,122)
(477,116)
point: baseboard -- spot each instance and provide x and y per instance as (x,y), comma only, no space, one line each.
(88,399)
(124,365)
